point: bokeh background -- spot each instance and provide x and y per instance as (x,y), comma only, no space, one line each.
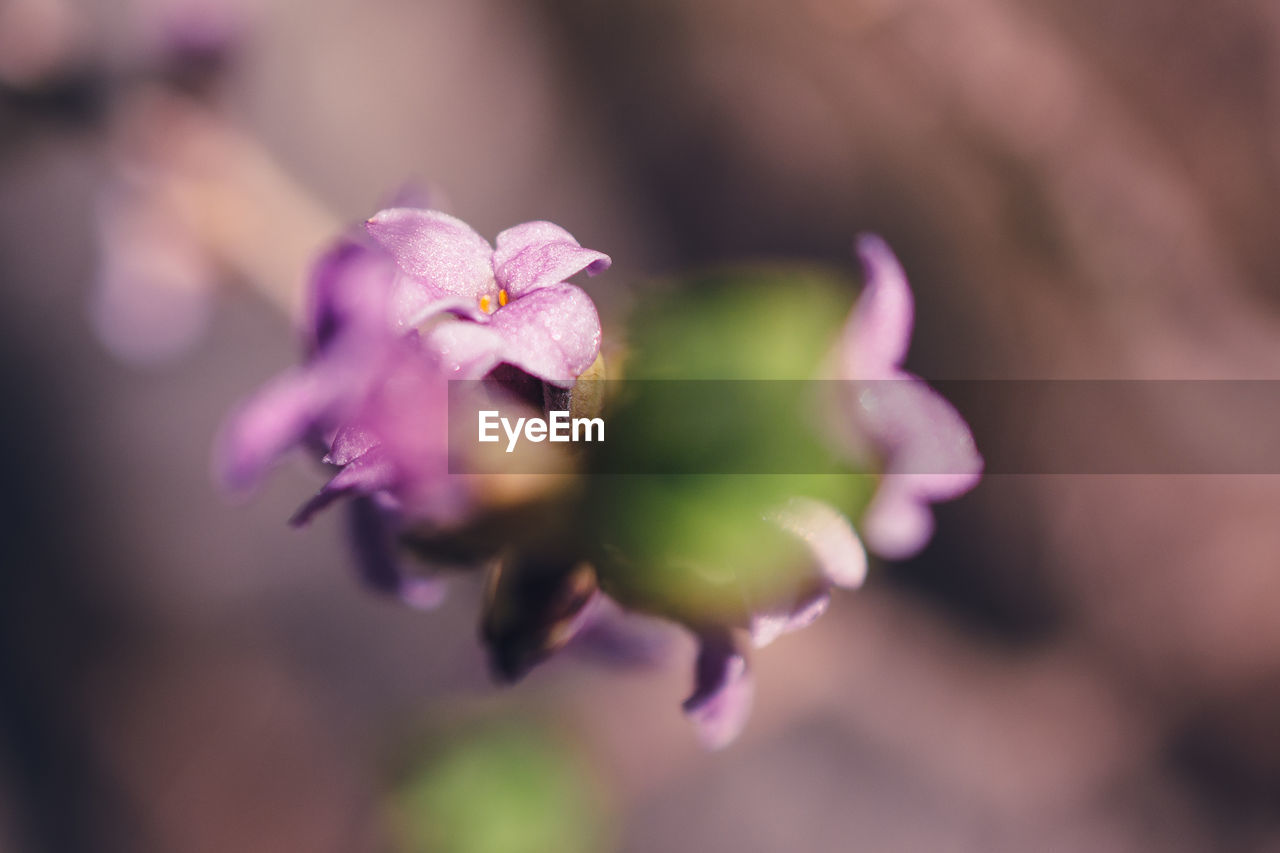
(1077,190)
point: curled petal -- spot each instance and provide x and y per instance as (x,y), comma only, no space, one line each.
(930,456)
(839,557)
(350,442)
(921,433)
(928,451)
(414,302)
(836,547)
(443,253)
(898,523)
(878,332)
(606,632)
(552,333)
(373,539)
(274,420)
(768,625)
(722,691)
(364,475)
(538,254)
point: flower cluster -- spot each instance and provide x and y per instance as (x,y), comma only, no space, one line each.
(389,321)
(425,299)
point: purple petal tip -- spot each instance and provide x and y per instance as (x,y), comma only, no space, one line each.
(723,692)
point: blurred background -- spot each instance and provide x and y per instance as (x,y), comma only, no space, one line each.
(1076,189)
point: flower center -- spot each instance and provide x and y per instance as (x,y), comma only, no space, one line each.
(486,301)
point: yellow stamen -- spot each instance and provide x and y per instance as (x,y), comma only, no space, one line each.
(485,303)
(503,299)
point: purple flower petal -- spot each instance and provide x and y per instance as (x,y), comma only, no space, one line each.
(930,456)
(723,690)
(538,254)
(274,420)
(443,253)
(466,350)
(879,330)
(350,340)
(769,624)
(606,632)
(373,539)
(898,523)
(921,433)
(369,473)
(406,414)
(552,333)
(349,443)
(348,295)
(413,303)
(927,448)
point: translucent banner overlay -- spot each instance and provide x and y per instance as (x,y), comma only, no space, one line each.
(1174,427)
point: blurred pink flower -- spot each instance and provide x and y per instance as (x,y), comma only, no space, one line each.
(926,448)
(893,417)
(373,400)
(154,289)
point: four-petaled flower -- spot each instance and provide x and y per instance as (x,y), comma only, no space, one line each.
(520,309)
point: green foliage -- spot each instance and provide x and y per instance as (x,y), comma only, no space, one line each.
(507,789)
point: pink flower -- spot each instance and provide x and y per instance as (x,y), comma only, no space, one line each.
(372,392)
(926,448)
(513,299)
(927,455)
